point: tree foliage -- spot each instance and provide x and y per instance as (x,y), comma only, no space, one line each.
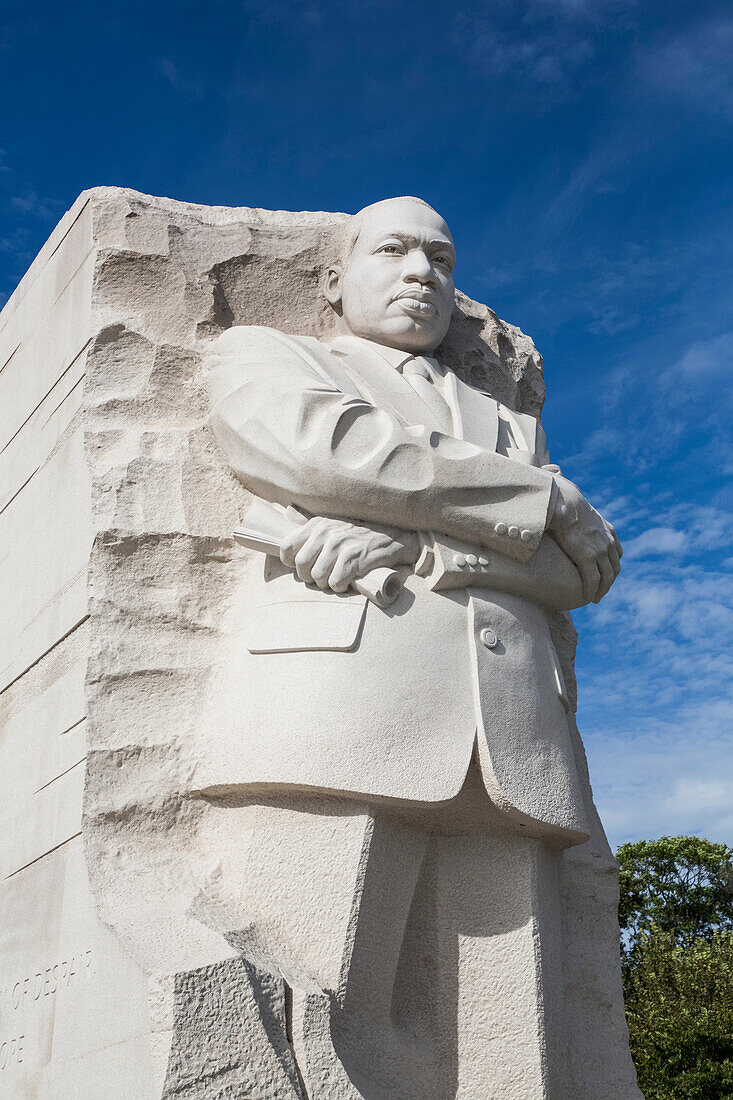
(676,916)
(682,885)
(679,1006)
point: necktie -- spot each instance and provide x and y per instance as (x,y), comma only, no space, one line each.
(416,372)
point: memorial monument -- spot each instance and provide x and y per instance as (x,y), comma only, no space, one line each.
(296,801)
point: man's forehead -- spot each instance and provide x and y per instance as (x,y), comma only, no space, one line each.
(403,217)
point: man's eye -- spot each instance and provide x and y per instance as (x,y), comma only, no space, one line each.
(445,260)
(391,249)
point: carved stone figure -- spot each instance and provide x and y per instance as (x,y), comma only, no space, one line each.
(293,797)
(422,747)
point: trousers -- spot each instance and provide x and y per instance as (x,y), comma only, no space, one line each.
(419,946)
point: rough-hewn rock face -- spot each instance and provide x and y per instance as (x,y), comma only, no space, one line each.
(164,279)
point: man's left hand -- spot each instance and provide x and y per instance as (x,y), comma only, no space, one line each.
(587,538)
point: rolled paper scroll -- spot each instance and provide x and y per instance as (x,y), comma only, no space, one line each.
(266,525)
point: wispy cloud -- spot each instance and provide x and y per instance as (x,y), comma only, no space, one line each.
(681,407)
(692,67)
(22,209)
(31,203)
(539,44)
(706,360)
(587,9)
(544,57)
(655,660)
(293,13)
(15,243)
(695,66)
(656,679)
(591,174)
(178,80)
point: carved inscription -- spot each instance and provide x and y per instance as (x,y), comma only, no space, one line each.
(33,991)
(11,1052)
(19,994)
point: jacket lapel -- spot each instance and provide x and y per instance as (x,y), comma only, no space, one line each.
(529,428)
(479,413)
(384,386)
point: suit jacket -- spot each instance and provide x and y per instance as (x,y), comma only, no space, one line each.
(324,690)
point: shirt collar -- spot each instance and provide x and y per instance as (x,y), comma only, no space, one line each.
(394,356)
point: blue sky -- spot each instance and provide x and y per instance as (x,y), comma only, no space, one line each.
(581,152)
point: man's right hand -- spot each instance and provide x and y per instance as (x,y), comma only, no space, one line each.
(588,540)
(332,553)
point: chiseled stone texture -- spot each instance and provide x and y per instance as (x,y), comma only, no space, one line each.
(123,636)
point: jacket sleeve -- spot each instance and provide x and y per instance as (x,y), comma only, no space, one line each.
(293,437)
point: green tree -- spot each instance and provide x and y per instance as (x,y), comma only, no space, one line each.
(676,917)
(679,1007)
(682,885)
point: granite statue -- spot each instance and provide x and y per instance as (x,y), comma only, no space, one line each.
(442,714)
(294,800)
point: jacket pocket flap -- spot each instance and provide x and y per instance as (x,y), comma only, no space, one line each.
(305,625)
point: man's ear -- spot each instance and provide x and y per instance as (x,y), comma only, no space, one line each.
(332,287)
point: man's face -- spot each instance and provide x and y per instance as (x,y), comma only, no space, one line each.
(397,288)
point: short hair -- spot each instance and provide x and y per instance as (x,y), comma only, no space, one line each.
(347,233)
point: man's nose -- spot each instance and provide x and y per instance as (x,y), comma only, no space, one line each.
(417,268)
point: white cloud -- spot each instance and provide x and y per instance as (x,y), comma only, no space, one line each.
(674,780)
(655,541)
(711,526)
(655,672)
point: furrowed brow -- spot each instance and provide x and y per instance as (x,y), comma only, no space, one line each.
(406,238)
(445,245)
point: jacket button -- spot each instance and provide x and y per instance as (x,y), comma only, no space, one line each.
(525,536)
(483,562)
(460,560)
(472,559)
(513,532)
(488,638)
(500,528)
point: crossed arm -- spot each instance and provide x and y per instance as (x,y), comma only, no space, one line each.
(294,437)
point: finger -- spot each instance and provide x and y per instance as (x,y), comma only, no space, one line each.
(306,556)
(607,576)
(616,541)
(291,544)
(614,559)
(591,579)
(344,572)
(322,567)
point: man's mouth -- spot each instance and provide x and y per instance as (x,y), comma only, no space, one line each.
(418,301)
